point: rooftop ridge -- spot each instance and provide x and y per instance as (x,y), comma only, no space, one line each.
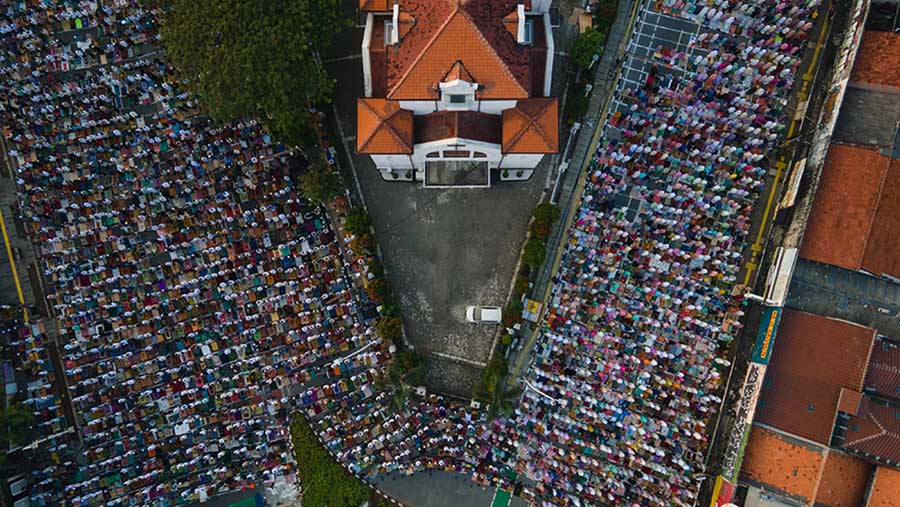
(532,122)
(472,26)
(385,121)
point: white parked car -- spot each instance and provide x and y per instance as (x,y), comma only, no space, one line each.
(484,314)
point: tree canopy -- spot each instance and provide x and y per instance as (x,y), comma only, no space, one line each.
(586,45)
(257,59)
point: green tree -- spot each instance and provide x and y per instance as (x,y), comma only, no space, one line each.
(586,45)
(15,425)
(500,397)
(401,378)
(256,59)
(535,251)
(358,221)
(320,184)
(323,480)
(390,328)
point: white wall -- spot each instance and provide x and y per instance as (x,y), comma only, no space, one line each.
(496,106)
(540,5)
(491,150)
(551,50)
(521,161)
(366,62)
(419,107)
(391,161)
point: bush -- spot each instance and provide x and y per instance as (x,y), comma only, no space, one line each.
(409,359)
(390,328)
(513,313)
(541,228)
(362,244)
(358,222)
(577,104)
(546,211)
(535,252)
(323,480)
(379,290)
(521,286)
(506,340)
(376,268)
(605,14)
(586,45)
(320,184)
(390,310)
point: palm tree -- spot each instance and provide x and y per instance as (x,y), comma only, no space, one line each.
(401,378)
(500,397)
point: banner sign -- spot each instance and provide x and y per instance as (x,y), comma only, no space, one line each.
(723,493)
(765,337)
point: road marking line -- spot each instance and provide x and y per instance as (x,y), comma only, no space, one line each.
(12,265)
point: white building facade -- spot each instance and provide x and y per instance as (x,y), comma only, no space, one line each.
(456,93)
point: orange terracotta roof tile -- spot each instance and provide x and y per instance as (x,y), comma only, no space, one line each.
(881,254)
(876,433)
(885,488)
(382,127)
(813,358)
(458,71)
(511,23)
(406,21)
(884,369)
(783,464)
(844,207)
(531,127)
(458,39)
(462,124)
(375,5)
(445,31)
(878,60)
(844,481)
(849,401)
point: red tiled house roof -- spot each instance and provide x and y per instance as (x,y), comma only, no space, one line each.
(465,124)
(531,127)
(844,207)
(813,358)
(500,76)
(375,5)
(843,481)
(878,60)
(884,369)
(881,254)
(438,33)
(885,491)
(876,432)
(783,464)
(383,128)
(856,214)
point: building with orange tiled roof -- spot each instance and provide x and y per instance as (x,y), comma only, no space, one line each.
(885,490)
(856,213)
(814,358)
(783,470)
(474,76)
(878,61)
(827,416)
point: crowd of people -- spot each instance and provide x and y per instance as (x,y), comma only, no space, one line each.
(627,375)
(199,298)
